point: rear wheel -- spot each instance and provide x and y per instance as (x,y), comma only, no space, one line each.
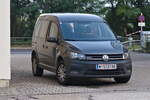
(61,74)
(122,79)
(36,70)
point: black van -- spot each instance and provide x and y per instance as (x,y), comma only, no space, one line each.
(78,45)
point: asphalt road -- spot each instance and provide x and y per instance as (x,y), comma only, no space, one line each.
(24,85)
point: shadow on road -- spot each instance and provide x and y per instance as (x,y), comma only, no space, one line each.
(90,82)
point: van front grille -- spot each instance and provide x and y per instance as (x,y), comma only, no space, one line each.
(99,57)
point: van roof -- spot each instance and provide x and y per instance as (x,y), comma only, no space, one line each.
(74,16)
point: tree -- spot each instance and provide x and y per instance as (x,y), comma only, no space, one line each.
(120,14)
(24,12)
(18,16)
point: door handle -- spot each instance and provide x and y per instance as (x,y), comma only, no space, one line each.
(44,46)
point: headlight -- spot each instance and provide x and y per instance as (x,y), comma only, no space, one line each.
(125,55)
(74,55)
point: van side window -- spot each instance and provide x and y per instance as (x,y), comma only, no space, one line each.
(53,30)
(37,28)
(43,30)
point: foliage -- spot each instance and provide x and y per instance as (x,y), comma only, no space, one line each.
(120,14)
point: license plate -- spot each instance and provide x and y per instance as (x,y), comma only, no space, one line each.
(106,66)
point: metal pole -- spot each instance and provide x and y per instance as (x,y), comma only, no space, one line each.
(130,39)
(141,28)
(141,37)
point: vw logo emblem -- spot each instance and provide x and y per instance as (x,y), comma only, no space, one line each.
(105,57)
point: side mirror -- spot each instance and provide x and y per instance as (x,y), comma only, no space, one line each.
(52,39)
(119,38)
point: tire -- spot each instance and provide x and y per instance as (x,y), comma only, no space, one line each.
(61,74)
(122,79)
(36,70)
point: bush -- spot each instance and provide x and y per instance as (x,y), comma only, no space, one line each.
(147,49)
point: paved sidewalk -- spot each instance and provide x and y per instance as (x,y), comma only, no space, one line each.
(85,96)
(98,96)
(24,86)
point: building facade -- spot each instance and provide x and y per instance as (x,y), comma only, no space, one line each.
(4,43)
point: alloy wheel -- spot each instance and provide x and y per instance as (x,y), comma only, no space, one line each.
(61,73)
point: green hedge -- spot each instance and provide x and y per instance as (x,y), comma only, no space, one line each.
(147,49)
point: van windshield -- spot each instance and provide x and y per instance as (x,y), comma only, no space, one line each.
(86,31)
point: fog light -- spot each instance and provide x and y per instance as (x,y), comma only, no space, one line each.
(129,70)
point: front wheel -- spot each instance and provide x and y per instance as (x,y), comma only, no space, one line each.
(36,70)
(61,74)
(122,79)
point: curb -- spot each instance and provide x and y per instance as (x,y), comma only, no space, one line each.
(21,48)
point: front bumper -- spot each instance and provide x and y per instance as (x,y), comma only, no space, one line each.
(87,69)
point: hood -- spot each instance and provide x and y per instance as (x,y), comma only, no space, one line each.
(97,47)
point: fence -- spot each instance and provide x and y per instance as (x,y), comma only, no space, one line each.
(26,41)
(18,41)
(133,44)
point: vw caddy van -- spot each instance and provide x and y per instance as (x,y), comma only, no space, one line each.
(75,45)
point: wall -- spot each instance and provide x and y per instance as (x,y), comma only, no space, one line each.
(4,43)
